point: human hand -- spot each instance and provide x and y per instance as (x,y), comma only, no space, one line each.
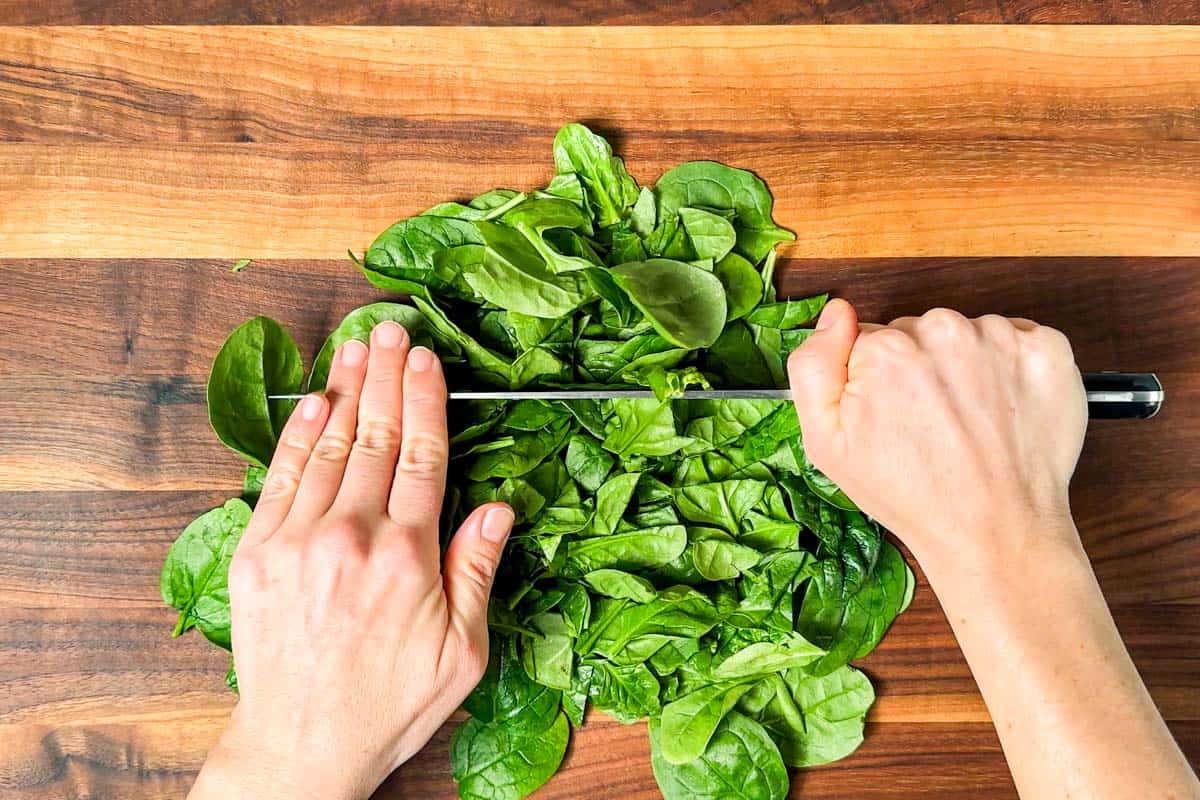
(956,434)
(353,641)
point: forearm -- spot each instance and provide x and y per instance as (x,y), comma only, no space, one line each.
(1072,713)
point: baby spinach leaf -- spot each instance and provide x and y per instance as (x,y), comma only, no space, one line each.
(547,657)
(850,624)
(834,709)
(642,427)
(621,585)
(739,763)
(689,722)
(195,576)
(723,503)
(685,304)
(505,762)
(588,462)
(788,314)
(719,559)
(644,216)
(610,190)
(401,259)
(258,359)
(628,693)
(743,285)
(612,498)
(637,549)
(716,187)
(712,236)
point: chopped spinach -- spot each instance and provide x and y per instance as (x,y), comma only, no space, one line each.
(677,560)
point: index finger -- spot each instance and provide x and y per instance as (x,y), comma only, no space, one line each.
(818,373)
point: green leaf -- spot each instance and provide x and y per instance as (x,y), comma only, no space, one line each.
(743,285)
(685,304)
(547,658)
(588,462)
(609,188)
(712,235)
(719,560)
(689,722)
(620,585)
(789,314)
(740,763)
(239,265)
(637,549)
(401,259)
(642,427)
(716,187)
(195,575)
(506,762)
(258,359)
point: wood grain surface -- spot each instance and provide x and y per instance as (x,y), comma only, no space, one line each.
(1049,172)
(592,12)
(876,141)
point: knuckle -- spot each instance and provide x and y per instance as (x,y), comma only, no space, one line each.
(333,446)
(379,436)
(945,322)
(891,340)
(282,481)
(423,455)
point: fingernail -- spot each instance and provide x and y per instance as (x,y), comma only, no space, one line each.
(310,407)
(388,334)
(497,522)
(420,359)
(353,353)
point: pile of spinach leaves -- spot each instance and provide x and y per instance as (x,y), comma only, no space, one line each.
(681,561)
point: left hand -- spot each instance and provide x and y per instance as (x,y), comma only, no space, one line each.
(353,642)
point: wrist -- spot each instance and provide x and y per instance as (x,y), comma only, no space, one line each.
(244,764)
(1003,552)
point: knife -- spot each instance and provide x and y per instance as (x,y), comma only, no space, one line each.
(1110,395)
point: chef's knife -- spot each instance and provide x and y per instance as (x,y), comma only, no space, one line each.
(1110,395)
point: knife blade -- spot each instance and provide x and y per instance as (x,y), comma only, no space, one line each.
(1110,395)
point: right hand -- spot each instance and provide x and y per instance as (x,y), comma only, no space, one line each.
(958,435)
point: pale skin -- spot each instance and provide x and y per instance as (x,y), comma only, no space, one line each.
(355,639)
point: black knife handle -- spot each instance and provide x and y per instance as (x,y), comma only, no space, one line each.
(1123,395)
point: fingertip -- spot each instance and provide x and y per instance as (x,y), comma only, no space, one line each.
(312,407)
(388,334)
(497,523)
(352,353)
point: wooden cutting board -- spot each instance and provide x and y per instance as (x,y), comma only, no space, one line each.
(1048,172)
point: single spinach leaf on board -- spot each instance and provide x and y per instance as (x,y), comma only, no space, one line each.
(401,259)
(685,304)
(506,761)
(609,188)
(834,708)
(850,625)
(713,186)
(739,763)
(358,324)
(258,359)
(195,575)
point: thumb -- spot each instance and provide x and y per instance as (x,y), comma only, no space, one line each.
(817,371)
(471,561)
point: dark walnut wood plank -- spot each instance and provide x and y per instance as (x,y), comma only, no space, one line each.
(460,87)
(79,603)
(594,12)
(128,317)
(105,703)
(120,355)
